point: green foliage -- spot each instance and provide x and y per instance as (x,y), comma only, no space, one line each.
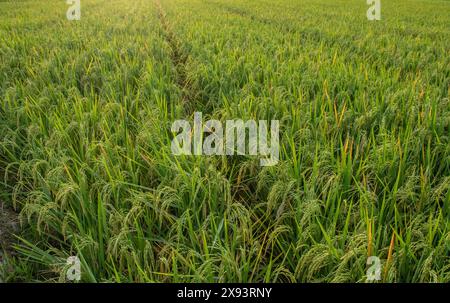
(85,115)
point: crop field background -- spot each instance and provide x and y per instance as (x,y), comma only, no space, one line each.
(86,167)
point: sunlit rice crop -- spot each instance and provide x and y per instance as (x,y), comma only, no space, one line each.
(85,140)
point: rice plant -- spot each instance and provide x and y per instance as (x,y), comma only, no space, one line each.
(85,142)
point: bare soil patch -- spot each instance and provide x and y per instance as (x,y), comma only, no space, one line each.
(9,225)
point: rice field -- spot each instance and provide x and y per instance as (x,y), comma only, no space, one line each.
(86,164)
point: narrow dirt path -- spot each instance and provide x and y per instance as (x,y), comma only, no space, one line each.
(178,58)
